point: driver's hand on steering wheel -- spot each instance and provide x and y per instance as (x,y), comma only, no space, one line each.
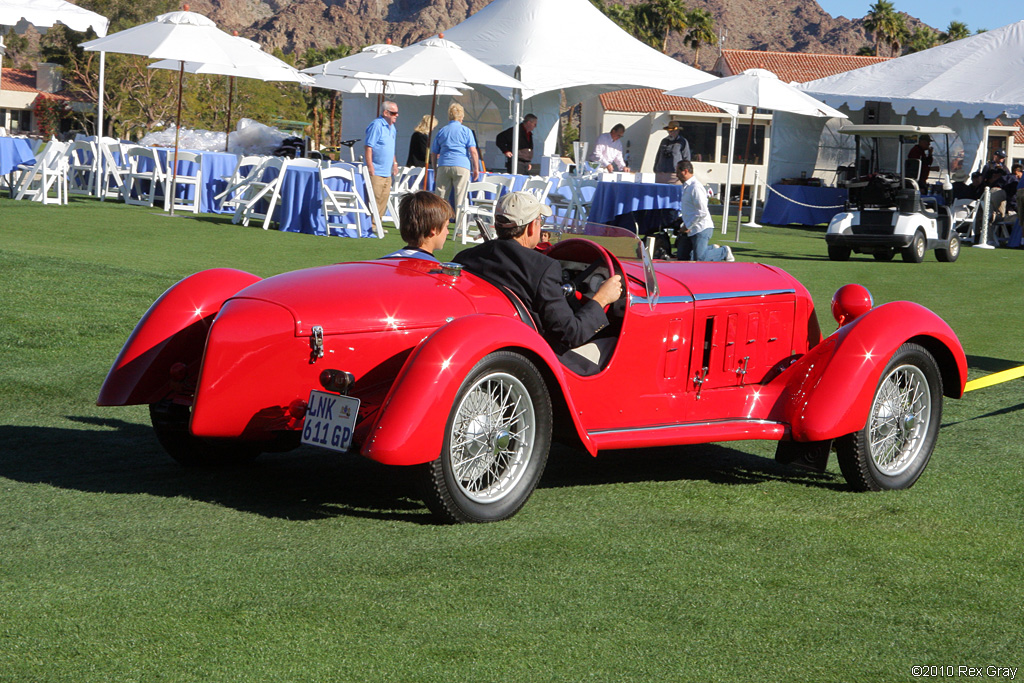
(610,291)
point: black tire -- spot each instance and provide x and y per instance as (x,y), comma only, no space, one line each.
(502,418)
(839,253)
(914,252)
(885,255)
(893,448)
(952,250)
(170,423)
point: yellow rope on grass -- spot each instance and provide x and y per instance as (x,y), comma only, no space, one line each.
(995,378)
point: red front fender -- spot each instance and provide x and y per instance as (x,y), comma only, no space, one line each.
(831,388)
(173,330)
(411,424)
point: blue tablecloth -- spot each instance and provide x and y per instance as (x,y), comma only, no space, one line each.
(216,166)
(300,205)
(617,203)
(14,151)
(780,211)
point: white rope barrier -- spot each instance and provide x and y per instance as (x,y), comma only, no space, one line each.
(790,199)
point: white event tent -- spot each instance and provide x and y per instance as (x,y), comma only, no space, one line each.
(549,45)
(965,85)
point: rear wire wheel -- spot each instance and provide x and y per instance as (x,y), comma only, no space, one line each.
(170,423)
(893,448)
(495,445)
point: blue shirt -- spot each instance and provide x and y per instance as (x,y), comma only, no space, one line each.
(380,137)
(452,145)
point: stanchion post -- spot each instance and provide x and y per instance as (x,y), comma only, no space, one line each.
(982,242)
(753,201)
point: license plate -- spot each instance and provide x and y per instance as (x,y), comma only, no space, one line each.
(330,420)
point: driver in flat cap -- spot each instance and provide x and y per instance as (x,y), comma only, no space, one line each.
(512,264)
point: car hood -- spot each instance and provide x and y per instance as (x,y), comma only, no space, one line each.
(366,296)
(711,280)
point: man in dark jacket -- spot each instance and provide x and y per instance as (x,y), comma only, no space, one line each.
(512,263)
(504,142)
(673,149)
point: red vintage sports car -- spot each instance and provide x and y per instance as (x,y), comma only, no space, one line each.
(421,364)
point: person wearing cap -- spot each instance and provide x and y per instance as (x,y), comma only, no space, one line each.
(922,151)
(996,165)
(673,149)
(696,218)
(512,263)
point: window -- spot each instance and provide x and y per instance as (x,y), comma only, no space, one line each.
(701,136)
(756,144)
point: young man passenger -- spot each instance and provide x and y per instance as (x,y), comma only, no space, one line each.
(423,220)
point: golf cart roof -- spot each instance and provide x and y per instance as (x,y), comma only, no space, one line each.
(891,131)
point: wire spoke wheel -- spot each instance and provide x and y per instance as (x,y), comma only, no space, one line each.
(496,443)
(893,448)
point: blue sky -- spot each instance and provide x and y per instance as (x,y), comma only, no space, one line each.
(937,13)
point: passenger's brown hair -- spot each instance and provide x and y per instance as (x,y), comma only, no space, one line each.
(420,214)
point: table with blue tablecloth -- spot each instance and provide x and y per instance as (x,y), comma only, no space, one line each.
(14,151)
(215,165)
(649,205)
(822,204)
(300,205)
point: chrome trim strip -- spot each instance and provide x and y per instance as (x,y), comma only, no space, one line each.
(713,296)
(661,300)
(686,425)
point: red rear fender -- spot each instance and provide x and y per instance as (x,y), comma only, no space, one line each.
(411,424)
(173,330)
(829,391)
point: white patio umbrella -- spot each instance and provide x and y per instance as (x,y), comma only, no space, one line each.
(182,36)
(758,89)
(49,12)
(266,67)
(436,61)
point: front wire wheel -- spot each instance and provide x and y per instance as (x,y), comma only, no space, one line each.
(496,443)
(893,448)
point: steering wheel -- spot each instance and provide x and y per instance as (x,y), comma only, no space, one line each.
(582,277)
(575,249)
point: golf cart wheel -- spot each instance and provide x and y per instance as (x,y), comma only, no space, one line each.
(914,252)
(893,448)
(839,253)
(495,446)
(884,255)
(952,251)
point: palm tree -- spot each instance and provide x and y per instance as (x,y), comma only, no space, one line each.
(702,31)
(878,21)
(866,51)
(898,32)
(923,38)
(647,23)
(674,16)
(956,30)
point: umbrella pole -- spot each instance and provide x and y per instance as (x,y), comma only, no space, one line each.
(743,176)
(430,133)
(227,129)
(177,134)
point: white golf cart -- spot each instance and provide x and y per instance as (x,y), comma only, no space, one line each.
(885,212)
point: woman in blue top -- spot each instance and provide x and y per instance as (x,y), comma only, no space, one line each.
(456,154)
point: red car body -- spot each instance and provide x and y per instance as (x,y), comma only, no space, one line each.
(704,352)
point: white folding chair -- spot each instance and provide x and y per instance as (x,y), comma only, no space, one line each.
(409,180)
(83,165)
(248,167)
(344,201)
(186,185)
(572,199)
(113,169)
(503,181)
(145,179)
(49,172)
(538,186)
(481,198)
(264,185)
(371,201)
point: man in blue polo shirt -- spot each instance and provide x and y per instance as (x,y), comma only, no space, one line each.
(380,153)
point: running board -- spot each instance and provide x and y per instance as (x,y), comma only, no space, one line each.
(688,433)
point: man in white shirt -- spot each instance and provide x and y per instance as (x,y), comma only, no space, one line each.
(607,152)
(696,217)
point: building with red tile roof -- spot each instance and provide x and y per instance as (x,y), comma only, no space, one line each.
(21,88)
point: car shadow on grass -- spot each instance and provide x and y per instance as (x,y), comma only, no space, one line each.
(114,456)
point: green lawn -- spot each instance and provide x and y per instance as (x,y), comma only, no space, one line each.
(703,563)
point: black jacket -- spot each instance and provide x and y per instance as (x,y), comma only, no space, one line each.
(537,280)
